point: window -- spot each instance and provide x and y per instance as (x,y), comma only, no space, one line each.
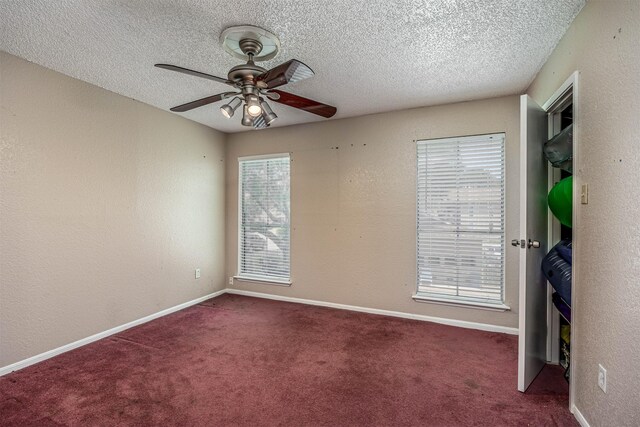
(264,218)
(461,220)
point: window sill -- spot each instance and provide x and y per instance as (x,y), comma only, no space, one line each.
(459,303)
(253,279)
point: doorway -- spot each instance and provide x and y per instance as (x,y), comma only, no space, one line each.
(561,110)
(542,326)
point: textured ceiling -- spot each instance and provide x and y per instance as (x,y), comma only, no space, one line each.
(368,57)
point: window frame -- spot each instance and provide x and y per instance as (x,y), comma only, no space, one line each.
(244,277)
(453,300)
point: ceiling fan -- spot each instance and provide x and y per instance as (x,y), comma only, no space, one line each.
(253,84)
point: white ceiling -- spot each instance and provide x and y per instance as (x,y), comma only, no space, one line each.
(368,57)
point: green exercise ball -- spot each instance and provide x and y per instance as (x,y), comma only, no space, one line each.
(561,200)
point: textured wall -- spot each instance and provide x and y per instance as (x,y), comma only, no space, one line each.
(353,204)
(603,44)
(106,208)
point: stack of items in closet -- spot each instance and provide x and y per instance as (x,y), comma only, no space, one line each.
(557,263)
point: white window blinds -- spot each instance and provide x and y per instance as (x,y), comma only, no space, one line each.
(461,219)
(264,218)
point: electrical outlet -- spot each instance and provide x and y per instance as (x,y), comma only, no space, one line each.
(197,273)
(231,280)
(602,378)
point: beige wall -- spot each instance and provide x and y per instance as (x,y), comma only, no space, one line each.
(107,206)
(353,204)
(604,45)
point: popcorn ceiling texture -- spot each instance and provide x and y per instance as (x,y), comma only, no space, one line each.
(389,55)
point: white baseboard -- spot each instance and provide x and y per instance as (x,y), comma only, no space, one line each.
(56,351)
(581,419)
(444,321)
(451,322)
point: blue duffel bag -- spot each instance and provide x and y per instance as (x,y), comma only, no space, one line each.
(556,267)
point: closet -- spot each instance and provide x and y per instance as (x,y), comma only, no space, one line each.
(557,265)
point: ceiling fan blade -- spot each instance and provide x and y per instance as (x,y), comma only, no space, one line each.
(308,105)
(202,102)
(195,73)
(289,72)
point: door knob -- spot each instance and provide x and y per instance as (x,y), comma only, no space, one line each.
(533,244)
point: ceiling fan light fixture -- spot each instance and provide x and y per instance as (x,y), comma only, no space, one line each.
(253,106)
(247,120)
(230,108)
(267,113)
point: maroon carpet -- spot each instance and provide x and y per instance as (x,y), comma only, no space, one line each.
(244,361)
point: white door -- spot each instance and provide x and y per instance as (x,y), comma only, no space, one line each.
(532,244)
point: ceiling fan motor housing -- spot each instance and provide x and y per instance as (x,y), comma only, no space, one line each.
(245,72)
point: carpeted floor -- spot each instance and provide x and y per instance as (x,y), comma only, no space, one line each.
(243,361)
